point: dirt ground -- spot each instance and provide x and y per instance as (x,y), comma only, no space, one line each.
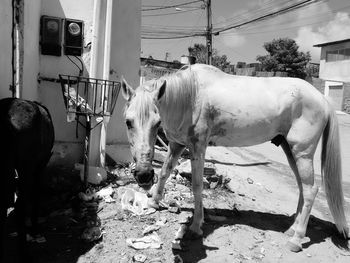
(249,203)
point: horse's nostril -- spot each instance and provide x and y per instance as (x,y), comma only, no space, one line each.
(144,177)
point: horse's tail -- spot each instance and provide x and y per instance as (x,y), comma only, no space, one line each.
(332,173)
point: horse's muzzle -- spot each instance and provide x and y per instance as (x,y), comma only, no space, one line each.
(144,178)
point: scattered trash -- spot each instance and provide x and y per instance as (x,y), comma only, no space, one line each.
(181,232)
(155,260)
(213,185)
(174,207)
(106,194)
(150,241)
(179,179)
(162,221)
(136,202)
(139,258)
(159,156)
(309,255)
(182,188)
(184,168)
(178,259)
(120,182)
(150,229)
(262,250)
(209,169)
(176,245)
(87,196)
(206,184)
(96,174)
(91,234)
(184,217)
(108,214)
(250,181)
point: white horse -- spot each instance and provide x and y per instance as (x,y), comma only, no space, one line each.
(201,104)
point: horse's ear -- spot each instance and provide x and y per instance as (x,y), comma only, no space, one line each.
(161,90)
(127,90)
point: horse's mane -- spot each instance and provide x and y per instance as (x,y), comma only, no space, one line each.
(180,96)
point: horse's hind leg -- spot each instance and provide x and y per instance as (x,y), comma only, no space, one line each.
(308,193)
(173,155)
(302,139)
(293,166)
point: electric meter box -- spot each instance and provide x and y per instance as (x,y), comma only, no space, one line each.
(51,35)
(73,37)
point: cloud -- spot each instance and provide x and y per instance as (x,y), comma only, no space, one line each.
(337,29)
(233,40)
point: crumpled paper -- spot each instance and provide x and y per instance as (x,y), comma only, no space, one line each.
(136,202)
(149,241)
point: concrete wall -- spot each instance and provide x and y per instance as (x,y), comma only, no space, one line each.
(125,53)
(68,148)
(346,98)
(31,62)
(318,83)
(125,38)
(5,48)
(335,70)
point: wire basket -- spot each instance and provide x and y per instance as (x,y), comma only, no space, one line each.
(89,96)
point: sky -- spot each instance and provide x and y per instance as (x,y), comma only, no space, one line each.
(324,21)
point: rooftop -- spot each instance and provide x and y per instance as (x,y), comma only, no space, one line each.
(332,43)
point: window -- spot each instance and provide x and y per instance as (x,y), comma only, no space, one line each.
(337,55)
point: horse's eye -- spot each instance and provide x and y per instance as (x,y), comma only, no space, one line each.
(128,124)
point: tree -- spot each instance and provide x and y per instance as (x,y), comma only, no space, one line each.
(284,56)
(199,51)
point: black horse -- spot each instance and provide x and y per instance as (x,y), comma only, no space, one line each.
(26,141)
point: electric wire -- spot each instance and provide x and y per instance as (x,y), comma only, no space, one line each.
(171,6)
(176,32)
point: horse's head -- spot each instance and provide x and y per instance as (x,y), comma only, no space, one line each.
(143,120)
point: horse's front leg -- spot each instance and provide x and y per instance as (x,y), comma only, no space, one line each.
(174,152)
(197,163)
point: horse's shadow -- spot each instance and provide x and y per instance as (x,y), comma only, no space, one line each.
(318,230)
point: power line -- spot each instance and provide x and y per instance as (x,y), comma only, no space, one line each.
(186,32)
(324,15)
(173,13)
(170,6)
(174,37)
(264,17)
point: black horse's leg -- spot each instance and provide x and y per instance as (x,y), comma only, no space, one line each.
(21,228)
(3,213)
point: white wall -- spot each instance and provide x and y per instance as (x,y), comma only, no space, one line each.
(31,49)
(125,52)
(5,48)
(335,70)
(125,61)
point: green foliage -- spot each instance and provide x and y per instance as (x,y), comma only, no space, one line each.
(199,51)
(284,56)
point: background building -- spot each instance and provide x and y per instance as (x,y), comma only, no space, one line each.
(335,71)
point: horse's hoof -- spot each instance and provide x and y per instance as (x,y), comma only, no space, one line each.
(293,247)
(191,235)
(151,203)
(290,232)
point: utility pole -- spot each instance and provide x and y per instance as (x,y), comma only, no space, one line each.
(209,35)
